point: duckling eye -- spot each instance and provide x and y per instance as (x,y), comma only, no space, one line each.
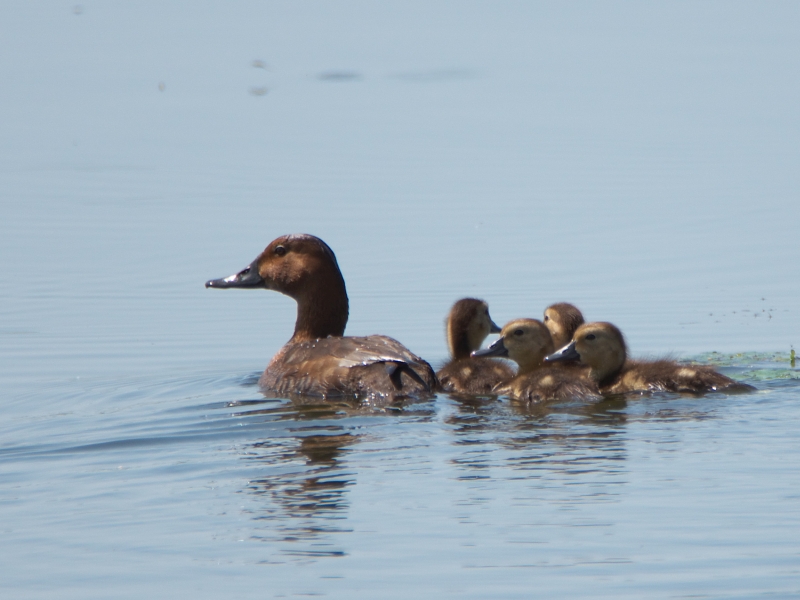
(280,250)
(518,332)
(546,318)
(590,336)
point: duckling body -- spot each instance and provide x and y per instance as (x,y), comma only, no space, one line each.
(550,384)
(601,347)
(468,324)
(527,342)
(669,376)
(318,359)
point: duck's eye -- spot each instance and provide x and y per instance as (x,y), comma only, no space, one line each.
(280,250)
(590,336)
(546,318)
(518,332)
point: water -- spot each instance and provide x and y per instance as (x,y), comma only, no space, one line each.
(638,161)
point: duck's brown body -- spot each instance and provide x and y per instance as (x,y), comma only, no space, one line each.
(601,347)
(528,342)
(318,360)
(374,365)
(467,325)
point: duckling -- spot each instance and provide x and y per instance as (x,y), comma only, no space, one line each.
(467,325)
(527,342)
(317,359)
(601,347)
(562,319)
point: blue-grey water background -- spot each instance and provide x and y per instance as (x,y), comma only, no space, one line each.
(637,159)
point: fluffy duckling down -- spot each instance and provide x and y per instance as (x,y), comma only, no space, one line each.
(467,326)
(601,347)
(527,342)
(318,360)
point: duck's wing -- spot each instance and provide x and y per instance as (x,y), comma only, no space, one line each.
(374,366)
(367,350)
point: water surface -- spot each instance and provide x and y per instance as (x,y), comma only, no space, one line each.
(637,160)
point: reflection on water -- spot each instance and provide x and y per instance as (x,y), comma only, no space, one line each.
(462,484)
(306,490)
(562,438)
(305,476)
(303,486)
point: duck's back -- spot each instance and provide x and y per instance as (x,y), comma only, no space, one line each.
(669,376)
(376,367)
(551,384)
(474,375)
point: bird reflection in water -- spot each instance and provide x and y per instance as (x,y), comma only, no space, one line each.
(584,440)
(307,493)
(302,475)
(560,439)
(555,436)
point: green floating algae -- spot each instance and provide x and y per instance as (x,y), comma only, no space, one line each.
(752,366)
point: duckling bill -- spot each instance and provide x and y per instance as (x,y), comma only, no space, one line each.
(318,359)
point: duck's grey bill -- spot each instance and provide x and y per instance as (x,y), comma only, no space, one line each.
(494,328)
(246,278)
(568,352)
(497,348)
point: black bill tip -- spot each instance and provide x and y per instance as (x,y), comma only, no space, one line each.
(497,348)
(568,352)
(246,278)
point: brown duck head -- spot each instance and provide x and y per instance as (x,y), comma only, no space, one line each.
(303,267)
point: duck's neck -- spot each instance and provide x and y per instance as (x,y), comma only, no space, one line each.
(560,337)
(530,363)
(605,372)
(322,310)
(459,344)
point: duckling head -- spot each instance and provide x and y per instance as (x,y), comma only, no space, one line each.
(600,346)
(525,341)
(468,324)
(562,319)
(304,268)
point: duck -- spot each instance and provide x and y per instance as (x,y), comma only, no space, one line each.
(528,342)
(467,325)
(561,320)
(602,349)
(319,359)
